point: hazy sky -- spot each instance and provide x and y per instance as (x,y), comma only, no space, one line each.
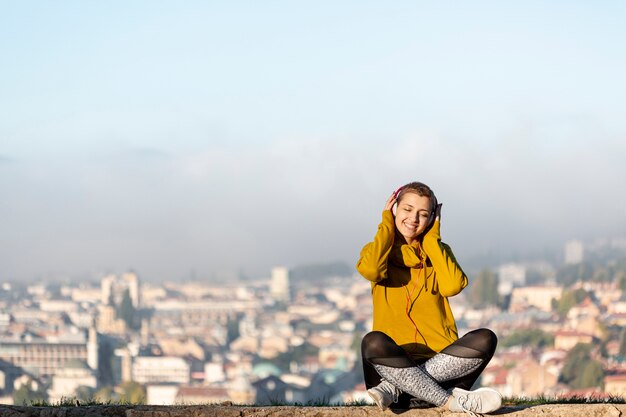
(171,137)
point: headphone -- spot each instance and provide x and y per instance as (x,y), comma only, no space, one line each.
(433,203)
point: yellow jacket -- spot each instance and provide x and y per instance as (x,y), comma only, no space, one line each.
(410,301)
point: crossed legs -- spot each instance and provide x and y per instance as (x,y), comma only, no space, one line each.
(458,365)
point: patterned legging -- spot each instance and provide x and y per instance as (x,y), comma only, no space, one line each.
(458,365)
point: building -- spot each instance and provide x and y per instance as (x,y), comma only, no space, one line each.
(44,356)
(201,395)
(92,348)
(530,379)
(495,376)
(113,289)
(337,356)
(161,394)
(279,285)
(86,295)
(161,369)
(107,321)
(574,252)
(615,385)
(199,313)
(67,380)
(538,297)
(214,372)
(509,276)
(181,347)
(585,318)
(567,339)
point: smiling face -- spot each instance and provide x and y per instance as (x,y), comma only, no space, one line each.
(412,215)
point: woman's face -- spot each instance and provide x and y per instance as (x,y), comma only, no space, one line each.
(412,216)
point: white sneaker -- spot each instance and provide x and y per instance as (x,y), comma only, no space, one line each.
(482,400)
(384,394)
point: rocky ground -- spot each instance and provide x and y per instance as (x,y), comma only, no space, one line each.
(552,410)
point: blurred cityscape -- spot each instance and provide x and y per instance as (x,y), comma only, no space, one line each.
(294,337)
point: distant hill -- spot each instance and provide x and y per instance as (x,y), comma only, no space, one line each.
(320,272)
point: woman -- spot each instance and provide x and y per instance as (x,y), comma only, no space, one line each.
(414,349)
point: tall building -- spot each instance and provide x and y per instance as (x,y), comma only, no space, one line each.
(131,281)
(92,347)
(122,365)
(107,321)
(106,286)
(510,275)
(574,252)
(279,285)
(114,287)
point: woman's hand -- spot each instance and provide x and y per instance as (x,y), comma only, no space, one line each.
(438,212)
(390,201)
(434,230)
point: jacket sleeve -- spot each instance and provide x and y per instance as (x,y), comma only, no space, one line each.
(450,277)
(372,264)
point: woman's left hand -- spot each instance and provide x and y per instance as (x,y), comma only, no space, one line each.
(433,231)
(438,212)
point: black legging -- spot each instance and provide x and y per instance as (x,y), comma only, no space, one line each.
(378,348)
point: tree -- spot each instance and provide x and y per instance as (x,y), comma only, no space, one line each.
(84,394)
(577,359)
(26,395)
(622,344)
(620,277)
(591,376)
(483,291)
(528,337)
(570,274)
(600,274)
(132,393)
(104,394)
(296,354)
(569,299)
(355,346)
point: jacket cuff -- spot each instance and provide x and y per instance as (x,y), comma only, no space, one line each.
(388,217)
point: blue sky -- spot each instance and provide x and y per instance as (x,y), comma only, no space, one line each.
(210,136)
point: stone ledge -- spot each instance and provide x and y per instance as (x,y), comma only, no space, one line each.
(553,410)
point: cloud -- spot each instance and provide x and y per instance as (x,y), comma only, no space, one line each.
(517,193)
(302,199)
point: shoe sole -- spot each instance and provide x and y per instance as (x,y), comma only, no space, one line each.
(377,399)
(499,404)
(494,407)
